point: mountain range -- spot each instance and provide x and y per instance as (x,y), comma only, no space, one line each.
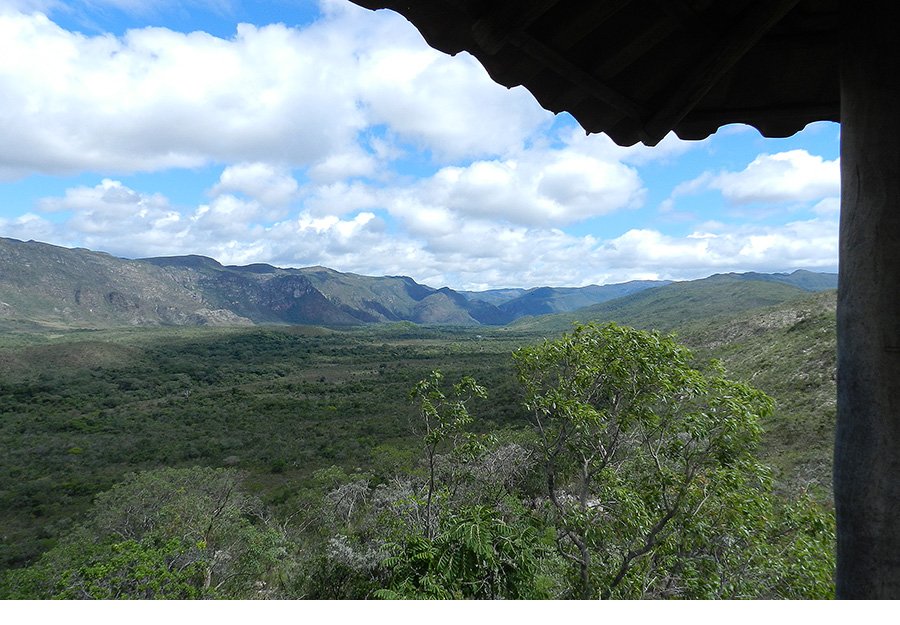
(51,286)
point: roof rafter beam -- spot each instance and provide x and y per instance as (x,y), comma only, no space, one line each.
(492,30)
(678,10)
(577,76)
(589,18)
(759,19)
(622,58)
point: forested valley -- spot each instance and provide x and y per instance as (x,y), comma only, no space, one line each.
(405,461)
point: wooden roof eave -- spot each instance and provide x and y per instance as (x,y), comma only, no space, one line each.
(501,37)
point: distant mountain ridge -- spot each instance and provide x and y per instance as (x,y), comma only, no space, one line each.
(670,306)
(547,300)
(807,280)
(54,286)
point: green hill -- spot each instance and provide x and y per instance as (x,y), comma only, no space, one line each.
(671,306)
(806,280)
(44,285)
(545,300)
(52,286)
(789,351)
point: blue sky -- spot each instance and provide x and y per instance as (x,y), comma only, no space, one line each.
(305,133)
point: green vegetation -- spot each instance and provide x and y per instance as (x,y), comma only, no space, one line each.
(163,534)
(666,308)
(652,483)
(82,409)
(291,462)
(777,338)
(789,352)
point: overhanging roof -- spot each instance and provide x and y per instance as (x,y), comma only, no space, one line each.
(637,69)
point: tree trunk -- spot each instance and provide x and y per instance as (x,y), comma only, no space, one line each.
(867,445)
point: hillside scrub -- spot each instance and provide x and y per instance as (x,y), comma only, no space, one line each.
(638,480)
(617,467)
(162,534)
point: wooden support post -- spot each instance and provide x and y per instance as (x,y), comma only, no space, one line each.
(867,446)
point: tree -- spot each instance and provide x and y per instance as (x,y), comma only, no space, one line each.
(475,554)
(648,462)
(445,421)
(456,529)
(166,533)
(81,567)
(650,490)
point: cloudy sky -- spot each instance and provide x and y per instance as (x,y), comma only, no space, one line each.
(304,133)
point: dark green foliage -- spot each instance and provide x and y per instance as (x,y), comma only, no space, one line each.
(652,484)
(163,534)
(81,410)
(475,554)
(83,568)
(651,490)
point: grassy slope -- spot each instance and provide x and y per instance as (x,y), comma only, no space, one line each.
(667,307)
(362,291)
(779,338)
(788,351)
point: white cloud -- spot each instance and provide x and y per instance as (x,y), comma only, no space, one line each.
(340,198)
(320,133)
(793,176)
(110,198)
(261,181)
(434,245)
(228,216)
(112,217)
(31,226)
(351,164)
(155,99)
(796,175)
(446,105)
(586,187)
(540,188)
(694,185)
(810,244)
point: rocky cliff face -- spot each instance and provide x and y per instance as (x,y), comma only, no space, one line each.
(74,287)
(50,285)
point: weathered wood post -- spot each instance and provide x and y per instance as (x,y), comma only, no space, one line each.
(867,446)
